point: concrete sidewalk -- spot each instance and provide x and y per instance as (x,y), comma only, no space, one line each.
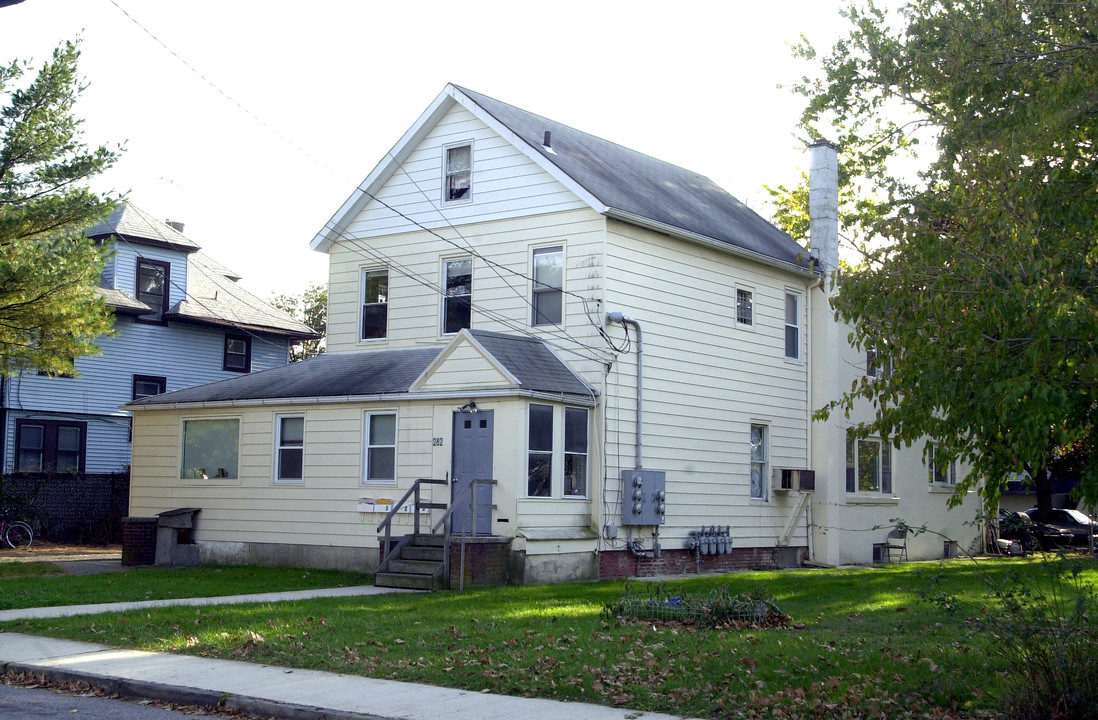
(277,692)
(67,610)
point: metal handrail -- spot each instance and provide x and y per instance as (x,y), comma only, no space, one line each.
(387,522)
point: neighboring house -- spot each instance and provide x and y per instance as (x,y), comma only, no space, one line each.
(510,298)
(180,320)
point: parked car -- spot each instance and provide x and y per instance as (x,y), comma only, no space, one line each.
(1075,522)
(1032,534)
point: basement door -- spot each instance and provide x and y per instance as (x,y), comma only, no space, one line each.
(472,458)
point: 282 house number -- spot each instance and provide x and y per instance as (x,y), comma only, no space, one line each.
(437,442)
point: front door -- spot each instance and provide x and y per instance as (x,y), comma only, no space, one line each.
(472,458)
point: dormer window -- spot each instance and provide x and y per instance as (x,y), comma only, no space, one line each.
(152,288)
(458,166)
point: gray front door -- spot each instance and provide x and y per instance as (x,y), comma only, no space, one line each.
(472,458)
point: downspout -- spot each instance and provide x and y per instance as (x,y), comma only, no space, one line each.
(626,320)
(3,423)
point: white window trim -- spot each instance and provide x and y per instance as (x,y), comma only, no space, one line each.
(209,480)
(789,292)
(366,447)
(362,270)
(736,308)
(534,250)
(564,452)
(275,464)
(878,492)
(445,174)
(951,472)
(442,304)
(765,480)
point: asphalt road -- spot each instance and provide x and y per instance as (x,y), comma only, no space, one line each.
(18,703)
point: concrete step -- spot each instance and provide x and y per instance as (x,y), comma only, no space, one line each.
(413,567)
(407,582)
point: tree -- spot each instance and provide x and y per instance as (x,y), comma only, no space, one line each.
(980,287)
(310,308)
(50,312)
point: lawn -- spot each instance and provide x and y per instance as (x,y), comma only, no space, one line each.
(861,641)
(27,585)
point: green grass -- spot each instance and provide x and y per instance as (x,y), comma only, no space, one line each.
(31,588)
(29,569)
(863,640)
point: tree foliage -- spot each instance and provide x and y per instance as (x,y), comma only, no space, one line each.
(981,289)
(311,308)
(50,312)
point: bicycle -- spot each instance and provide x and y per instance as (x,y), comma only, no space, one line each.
(17,534)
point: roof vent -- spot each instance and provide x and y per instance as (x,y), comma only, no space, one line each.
(548,142)
(174,225)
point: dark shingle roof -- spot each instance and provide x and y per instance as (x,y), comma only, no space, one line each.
(135,225)
(378,372)
(653,190)
(382,372)
(532,363)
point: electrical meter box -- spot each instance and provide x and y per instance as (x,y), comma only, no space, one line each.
(643,497)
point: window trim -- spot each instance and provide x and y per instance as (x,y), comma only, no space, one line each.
(49,431)
(159,380)
(446,296)
(165,301)
(247,353)
(586,454)
(541,452)
(786,325)
(950,472)
(209,479)
(278,477)
(446,174)
(535,291)
(364,273)
(885,475)
(366,447)
(764,479)
(750,324)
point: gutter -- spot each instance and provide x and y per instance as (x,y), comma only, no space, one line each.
(632,219)
(582,400)
(3,423)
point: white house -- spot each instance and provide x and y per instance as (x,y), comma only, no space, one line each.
(629,353)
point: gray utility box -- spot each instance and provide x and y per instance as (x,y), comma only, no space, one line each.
(643,497)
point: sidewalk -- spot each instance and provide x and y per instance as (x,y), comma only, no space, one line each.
(265,690)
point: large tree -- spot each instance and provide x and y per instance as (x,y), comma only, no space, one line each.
(50,312)
(979,280)
(311,308)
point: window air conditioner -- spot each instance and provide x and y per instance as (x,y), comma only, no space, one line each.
(786,479)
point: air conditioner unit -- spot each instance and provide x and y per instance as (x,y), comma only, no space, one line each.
(786,479)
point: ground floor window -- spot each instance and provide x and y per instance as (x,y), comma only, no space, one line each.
(575,452)
(760,451)
(290,444)
(211,448)
(50,446)
(941,472)
(868,465)
(539,458)
(381,448)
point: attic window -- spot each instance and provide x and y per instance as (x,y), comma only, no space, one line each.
(459,173)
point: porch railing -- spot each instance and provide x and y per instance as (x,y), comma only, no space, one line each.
(386,524)
(443,524)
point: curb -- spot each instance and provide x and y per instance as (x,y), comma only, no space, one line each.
(149,690)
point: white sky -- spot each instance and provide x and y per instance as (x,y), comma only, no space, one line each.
(693,83)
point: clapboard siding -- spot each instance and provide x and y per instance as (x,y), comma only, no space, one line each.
(506,184)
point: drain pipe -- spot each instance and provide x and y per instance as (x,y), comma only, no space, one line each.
(626,320)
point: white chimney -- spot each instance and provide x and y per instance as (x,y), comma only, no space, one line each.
(823,203)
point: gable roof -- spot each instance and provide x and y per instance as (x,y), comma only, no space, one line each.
(373,373)
(613,180)
(134,225)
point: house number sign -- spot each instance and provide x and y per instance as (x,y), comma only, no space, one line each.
(437,442)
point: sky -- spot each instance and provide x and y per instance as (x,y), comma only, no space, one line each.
(251,122)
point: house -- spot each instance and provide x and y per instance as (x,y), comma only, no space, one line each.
(629,353)
(180,320)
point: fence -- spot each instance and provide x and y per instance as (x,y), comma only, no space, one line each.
(84,508)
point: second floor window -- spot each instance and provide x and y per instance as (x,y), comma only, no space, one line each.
(146,385)
(457,303)
(759,461)
(548,300)
(744,308)
(152,288)
(459,173)
(375,304)
(792,326)
(238,353)
(49,445)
